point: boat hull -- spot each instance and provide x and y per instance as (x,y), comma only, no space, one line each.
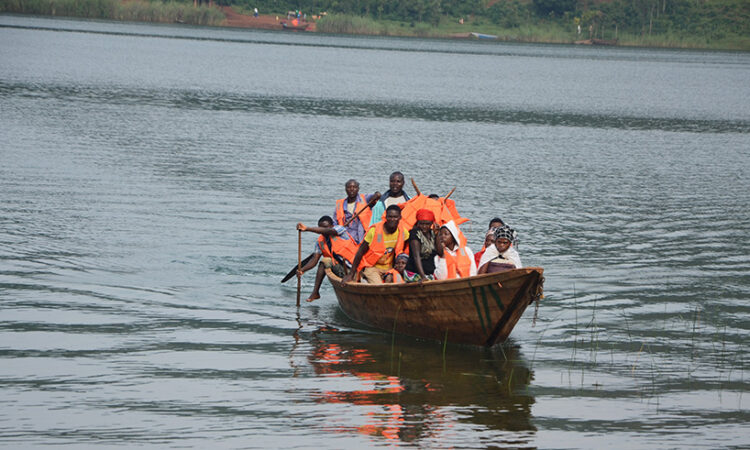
(480,310)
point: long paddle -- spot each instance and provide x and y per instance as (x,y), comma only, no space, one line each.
(299,265)
(291,273)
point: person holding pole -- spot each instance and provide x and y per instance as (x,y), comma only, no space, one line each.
(337,248)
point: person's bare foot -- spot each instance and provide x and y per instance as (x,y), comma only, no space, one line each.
(313,297)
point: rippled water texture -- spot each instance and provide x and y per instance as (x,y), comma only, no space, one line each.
(151,178)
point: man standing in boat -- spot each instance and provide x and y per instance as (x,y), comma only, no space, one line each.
(377,251)
(354,203)
(393,196)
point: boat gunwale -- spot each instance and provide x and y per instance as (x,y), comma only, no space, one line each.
(428,287)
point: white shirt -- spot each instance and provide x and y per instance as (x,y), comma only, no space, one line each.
(394,200)
(511,255)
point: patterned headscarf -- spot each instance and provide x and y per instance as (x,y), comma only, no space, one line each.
(506,232)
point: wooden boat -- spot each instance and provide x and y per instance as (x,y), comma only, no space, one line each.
(292,27)
(480,310)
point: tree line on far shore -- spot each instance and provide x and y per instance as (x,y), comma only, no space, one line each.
(713,19)
(687,23)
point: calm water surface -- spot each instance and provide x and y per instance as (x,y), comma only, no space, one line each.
(151,178)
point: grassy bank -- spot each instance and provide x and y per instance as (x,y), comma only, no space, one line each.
(135,10)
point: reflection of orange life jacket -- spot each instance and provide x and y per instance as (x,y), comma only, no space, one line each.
(346,248)
(397,278)
(360,205)
(458,266)
(377,246)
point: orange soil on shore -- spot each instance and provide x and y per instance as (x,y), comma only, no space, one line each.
(266,22)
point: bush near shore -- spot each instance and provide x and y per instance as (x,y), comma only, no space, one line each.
(132,10)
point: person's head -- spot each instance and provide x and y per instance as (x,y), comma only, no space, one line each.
(392,217)
(446,237)
(352,188)
(451,236)
(396,184)
(325,222)
(425,219)
(496,223)
(400,263)
(434,196)
(503,238)
(489,237)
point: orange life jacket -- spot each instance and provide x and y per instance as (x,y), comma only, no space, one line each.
(360,205)
(377,246)
(346,248)
(397,278)
(458,266)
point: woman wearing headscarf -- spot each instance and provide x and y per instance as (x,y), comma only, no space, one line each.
(502,255)
(421,263)
(454,258)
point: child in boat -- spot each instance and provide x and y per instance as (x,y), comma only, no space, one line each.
(489,240)
(502,256)
(396,274)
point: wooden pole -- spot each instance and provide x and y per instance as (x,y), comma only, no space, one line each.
(299,265)
(414,183)
(450,193)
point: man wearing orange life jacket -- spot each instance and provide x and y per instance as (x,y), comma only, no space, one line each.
(336,247)
(454,258)
(351,205)
(381,243)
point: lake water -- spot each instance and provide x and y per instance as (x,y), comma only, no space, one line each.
(151,178)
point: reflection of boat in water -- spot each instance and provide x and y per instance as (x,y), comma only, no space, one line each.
(480,310)
(415,393)
(295,25)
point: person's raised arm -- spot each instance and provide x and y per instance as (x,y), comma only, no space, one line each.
(439,245)
(320,230)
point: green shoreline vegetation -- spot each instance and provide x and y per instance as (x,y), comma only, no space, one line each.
(697,24)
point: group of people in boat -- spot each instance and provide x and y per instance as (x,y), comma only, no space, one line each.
(366,240)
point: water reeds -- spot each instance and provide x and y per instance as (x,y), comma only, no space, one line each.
(137,11)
